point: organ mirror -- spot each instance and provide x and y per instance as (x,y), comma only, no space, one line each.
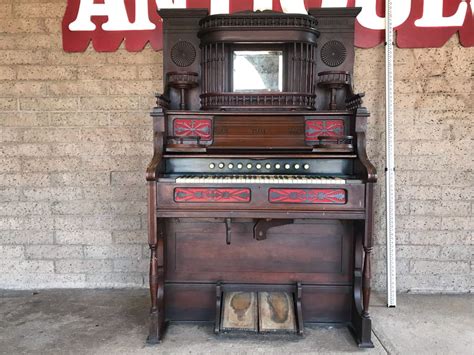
(257,71)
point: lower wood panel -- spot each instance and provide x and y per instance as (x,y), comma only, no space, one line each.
(307,251)
(197,302)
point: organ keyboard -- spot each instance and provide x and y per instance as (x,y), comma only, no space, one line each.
(260,190)
(260,179)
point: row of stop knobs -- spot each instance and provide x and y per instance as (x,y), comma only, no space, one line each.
(259,166)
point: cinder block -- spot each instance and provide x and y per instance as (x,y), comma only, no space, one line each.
(35,10)
(48,104)
(18,179)
(20,237)
(439,267)
(8,104)
(130,236)
(108,72)
(418,223)
(84,237)
(128,207)
(11,135)
(131,118)
(120,280)
(12,251)
(131,265)
(435,283)
(10,165)
(7,73)
(53,194)
(78,88)
(42,72)
(115,193)
(102,103)
(86,178)
(113,251)
(76,119)
(25,208)
(26,150)
(81,266)
(19,25)
(441,237)
(50,165)
(457,252)
(11,57)
(23,119)
(29,266)
(411,193)
(417,252)
(81,207)
(58,57)
(127,178)
(440,208)
(47,252)
(6,10)
(32,281)
(458,194)
(458,223)
(142,87)
(68,223)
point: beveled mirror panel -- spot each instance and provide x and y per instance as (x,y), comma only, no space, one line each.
(257,71)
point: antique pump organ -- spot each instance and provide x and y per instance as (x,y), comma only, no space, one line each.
(260,189)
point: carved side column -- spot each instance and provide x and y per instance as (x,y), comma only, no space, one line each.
(156,280)
(366,289)
(368,245)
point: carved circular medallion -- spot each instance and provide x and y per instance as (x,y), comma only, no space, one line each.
(333,53)
(183,54)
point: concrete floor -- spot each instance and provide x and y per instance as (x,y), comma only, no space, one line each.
(115,322)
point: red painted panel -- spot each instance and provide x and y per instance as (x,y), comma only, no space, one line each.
(193,128)
(308,196)
(211,195)
(329,128)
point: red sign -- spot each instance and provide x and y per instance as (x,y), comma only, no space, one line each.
(107,23)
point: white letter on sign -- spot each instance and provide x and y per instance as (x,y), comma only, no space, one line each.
(117,16)
(171,4)
(220,7)
(433,15)
(262,5)
(334,3)
(293,7)
(369,19)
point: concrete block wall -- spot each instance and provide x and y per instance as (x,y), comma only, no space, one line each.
(76,137)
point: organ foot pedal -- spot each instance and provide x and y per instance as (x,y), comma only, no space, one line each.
(272,311)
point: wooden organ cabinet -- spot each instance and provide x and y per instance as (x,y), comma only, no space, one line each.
(260,189)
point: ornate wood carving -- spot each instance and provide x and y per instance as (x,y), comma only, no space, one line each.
(308,196)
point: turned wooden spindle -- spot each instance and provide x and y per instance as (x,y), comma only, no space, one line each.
(366,281)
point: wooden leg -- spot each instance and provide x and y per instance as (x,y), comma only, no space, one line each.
(156,242)
(366,281)
(299,310)
(217,326)
(361,325)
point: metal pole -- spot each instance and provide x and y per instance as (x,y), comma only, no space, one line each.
(390,157)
